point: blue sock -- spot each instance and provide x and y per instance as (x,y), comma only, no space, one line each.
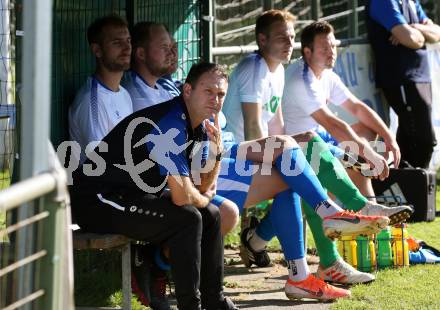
(297,173)
(286,219)
(159,260)
(264,229)
(336,151)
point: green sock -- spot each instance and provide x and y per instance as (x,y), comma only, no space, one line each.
(332,176)
(326,248)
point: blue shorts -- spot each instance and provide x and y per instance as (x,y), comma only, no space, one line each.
(326,136)
(331,142)
(230,149)
(234,181)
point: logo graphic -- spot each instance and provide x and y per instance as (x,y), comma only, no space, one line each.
(272,105)
(163,145)
(319,293)
(293,268)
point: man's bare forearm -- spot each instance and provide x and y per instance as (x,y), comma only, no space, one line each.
(252,132)
(431,32)
(183,192)
(198,200)
(209,178)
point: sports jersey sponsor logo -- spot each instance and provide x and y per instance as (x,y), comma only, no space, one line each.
(272,105)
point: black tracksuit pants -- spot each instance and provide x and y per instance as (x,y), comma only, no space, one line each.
(415,134)
(192,235)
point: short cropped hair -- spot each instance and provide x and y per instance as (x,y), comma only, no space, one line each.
(265,21)
(95,30)
(311,31)
(197,70)
(141,33)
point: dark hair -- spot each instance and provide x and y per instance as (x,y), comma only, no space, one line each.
(311,31)
(198,69)
(95,30)
(142,33)
(265,21)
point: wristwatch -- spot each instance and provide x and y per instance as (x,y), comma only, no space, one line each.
(218,157)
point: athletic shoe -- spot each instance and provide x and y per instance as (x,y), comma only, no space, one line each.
(314,288)
(396,214)
(227,304)
(158,289)
(342,273)
(248,255)
(351,223)
(148,281)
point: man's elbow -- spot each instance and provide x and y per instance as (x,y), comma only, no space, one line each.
(417,41)
(408,36)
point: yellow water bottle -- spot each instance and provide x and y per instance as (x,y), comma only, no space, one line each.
(373,254)
(400,245)
(347,249)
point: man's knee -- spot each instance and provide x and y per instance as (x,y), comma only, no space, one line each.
(190,215)
(229,215)
(285,141)
(210,215)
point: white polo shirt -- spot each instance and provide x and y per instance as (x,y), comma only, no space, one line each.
(304,94)
(251,81)
(95,111)
(141,93)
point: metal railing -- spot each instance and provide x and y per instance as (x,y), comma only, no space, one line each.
(37,273)
(36,265)
(246,49)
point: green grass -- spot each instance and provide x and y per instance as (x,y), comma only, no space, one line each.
(98,279)
(404,288)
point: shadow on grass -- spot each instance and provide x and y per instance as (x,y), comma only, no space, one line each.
(97,276)
(261,304)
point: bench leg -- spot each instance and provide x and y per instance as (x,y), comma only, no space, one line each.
(126,277)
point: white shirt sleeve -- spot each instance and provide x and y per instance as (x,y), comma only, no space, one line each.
(339,93)
(98,130)
(251,84)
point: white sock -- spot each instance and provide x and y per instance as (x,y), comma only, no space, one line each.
(256,243)
(298,269)
(328,208)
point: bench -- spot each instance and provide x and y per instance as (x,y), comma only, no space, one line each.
(87,241)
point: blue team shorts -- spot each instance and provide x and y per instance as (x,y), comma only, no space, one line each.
(233,184)
(326,136)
